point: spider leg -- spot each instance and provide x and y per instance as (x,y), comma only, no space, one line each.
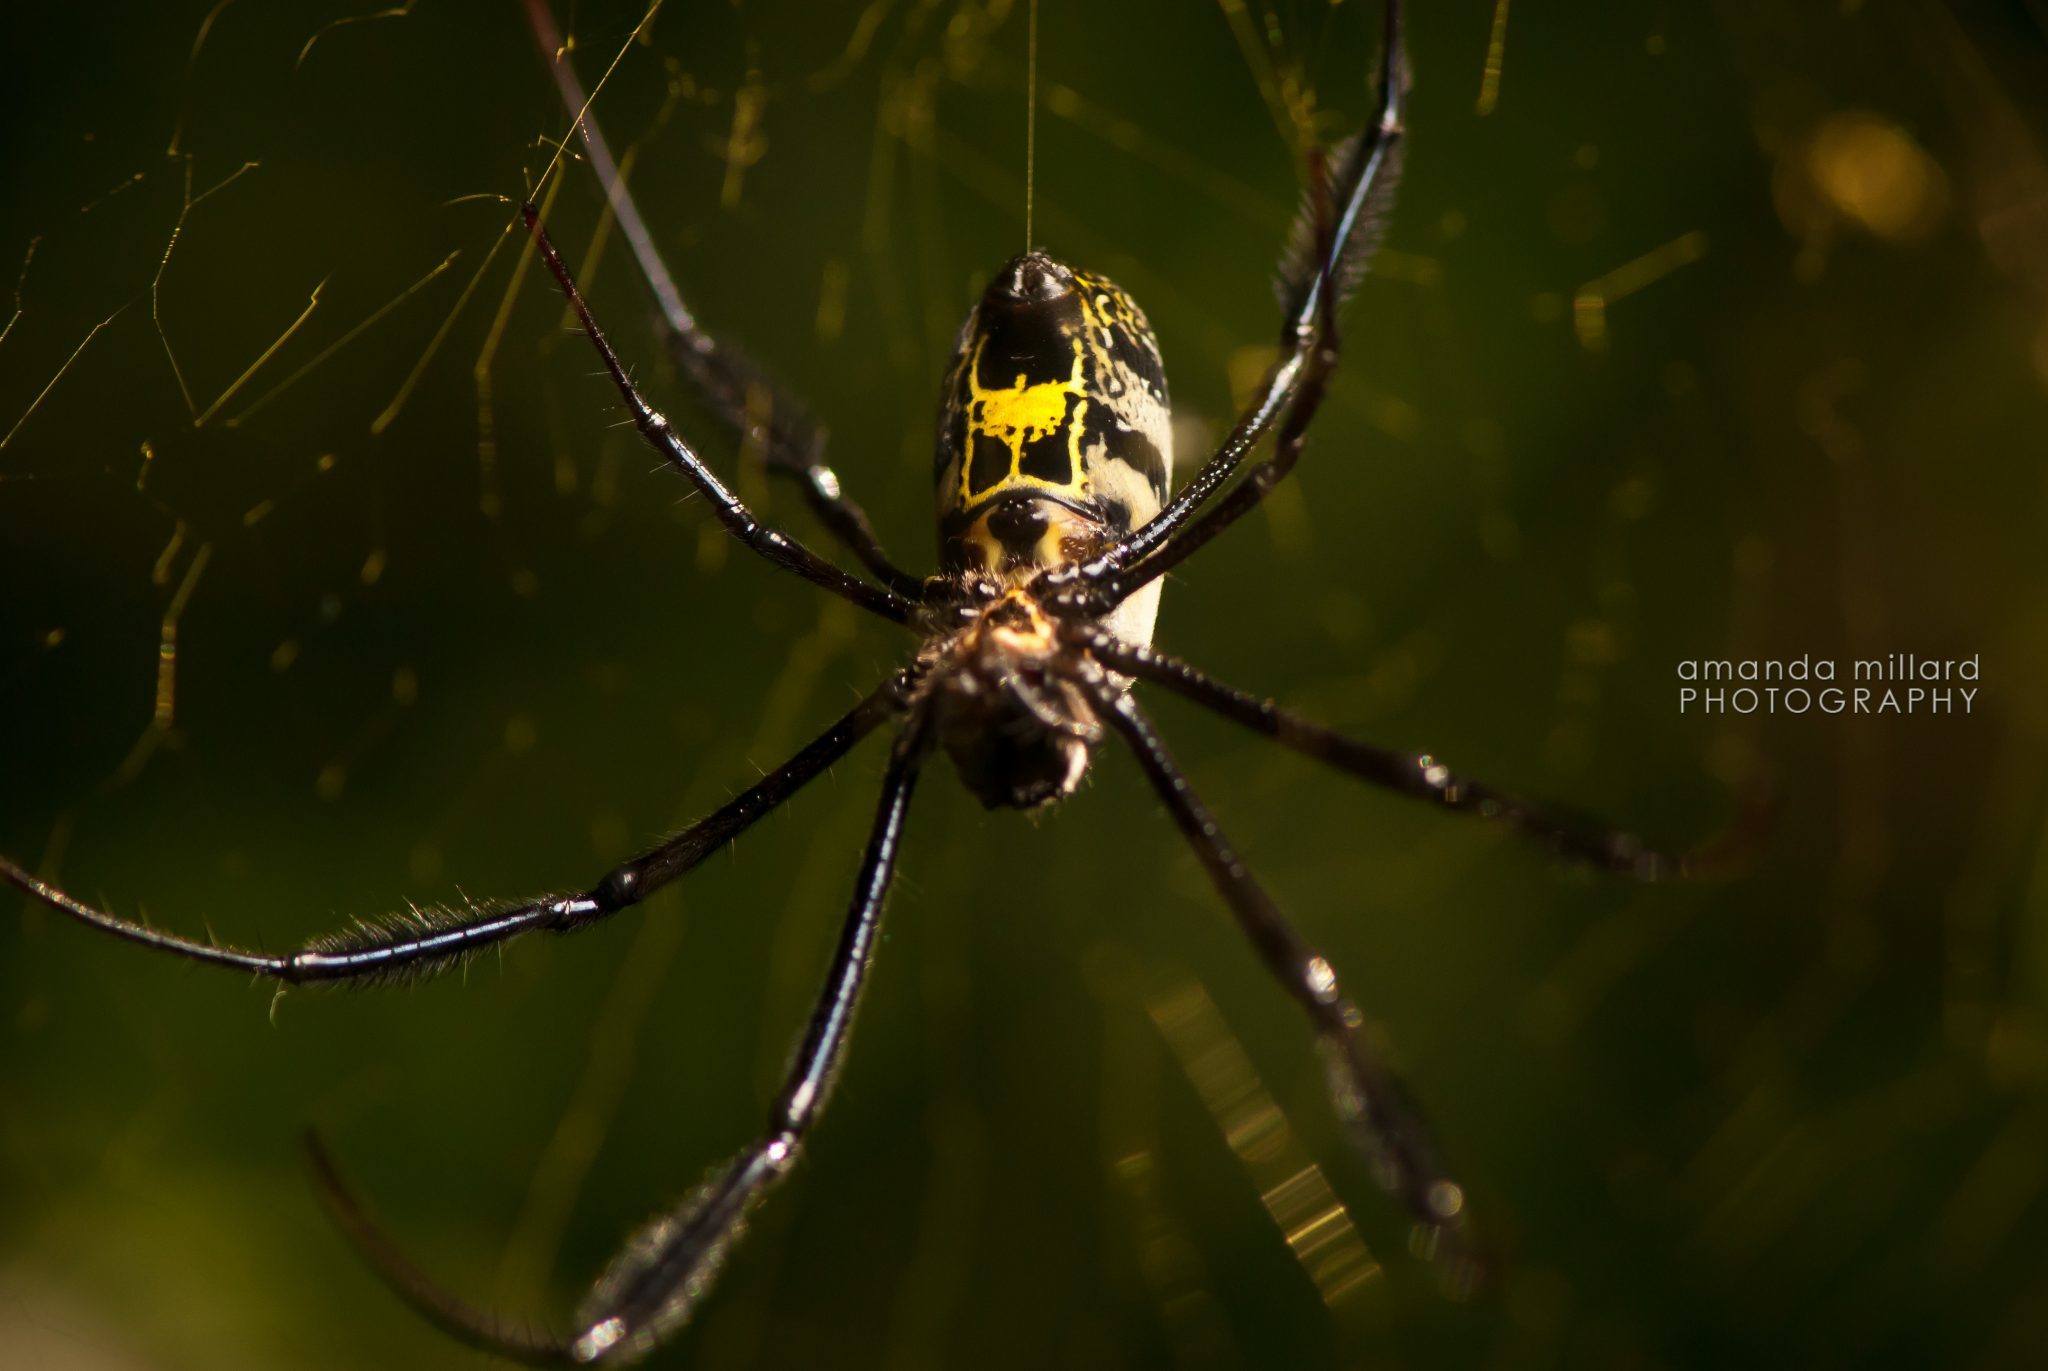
(653,1286)
(1383,1118)
(766,418)
(1344,224)
(1417,775)
(772,544)
(422,943)
(450,1314)
(1247,493)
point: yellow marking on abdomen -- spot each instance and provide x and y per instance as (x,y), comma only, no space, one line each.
(1018,414)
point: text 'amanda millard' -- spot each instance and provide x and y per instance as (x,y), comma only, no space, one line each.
(1897,683)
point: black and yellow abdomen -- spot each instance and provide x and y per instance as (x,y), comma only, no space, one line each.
(1055,436)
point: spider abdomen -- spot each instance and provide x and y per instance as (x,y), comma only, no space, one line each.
(1055,435)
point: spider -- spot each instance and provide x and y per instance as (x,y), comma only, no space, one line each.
(1056,521)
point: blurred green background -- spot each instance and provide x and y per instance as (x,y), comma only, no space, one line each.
(1703,331)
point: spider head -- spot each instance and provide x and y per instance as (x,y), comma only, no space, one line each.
(1019,732)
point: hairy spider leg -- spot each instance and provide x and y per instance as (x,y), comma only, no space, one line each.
(1370,1096)
(424,942)
(656,1281)
(1346,225)
(772,544)
(1417,775)
(766,417)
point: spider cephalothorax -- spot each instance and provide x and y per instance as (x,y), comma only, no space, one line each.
(1006,707)
(1054,460)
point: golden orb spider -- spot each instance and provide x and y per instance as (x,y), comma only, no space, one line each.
(1056,521)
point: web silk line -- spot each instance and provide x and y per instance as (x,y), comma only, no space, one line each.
(1030,124)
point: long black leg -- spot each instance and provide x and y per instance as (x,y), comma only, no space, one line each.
(765,417)
(423,942)
(1313,284)
(1418,775)
(1369,1096)
(654,1285)
(1241,498)
(776,546)
(453,1316)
